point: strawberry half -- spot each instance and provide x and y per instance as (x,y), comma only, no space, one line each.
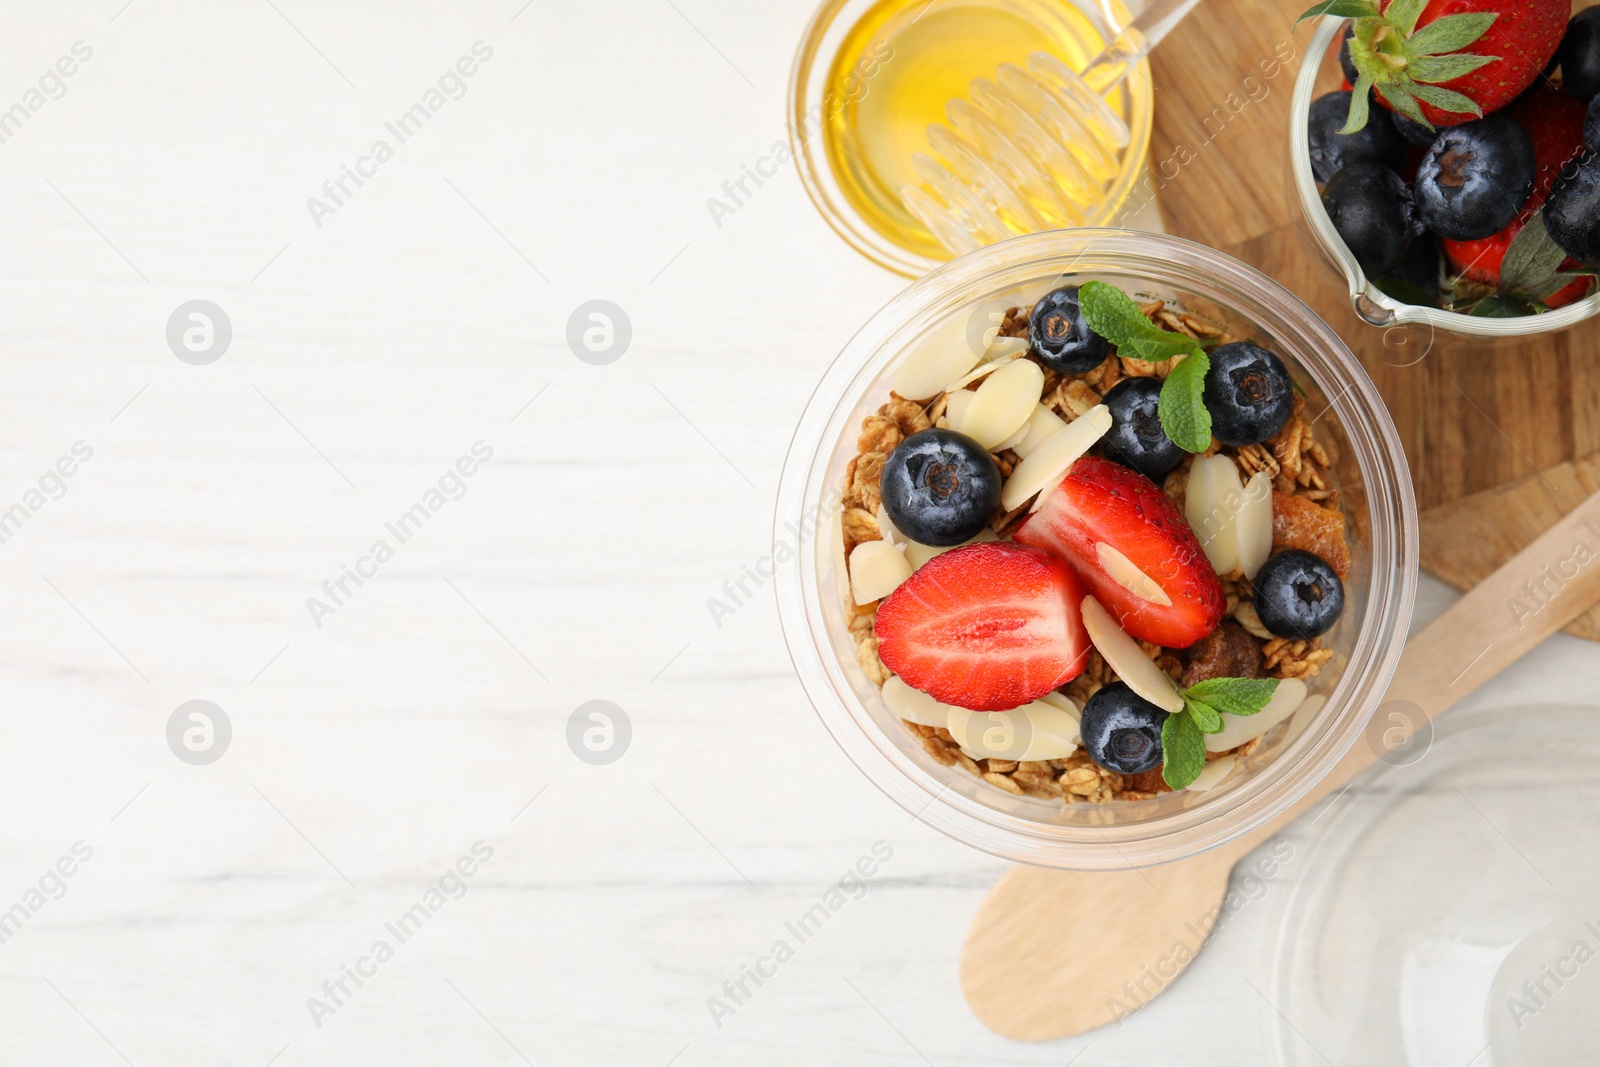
(988,627)
(1446,62)
(1554,121)
(1104,503)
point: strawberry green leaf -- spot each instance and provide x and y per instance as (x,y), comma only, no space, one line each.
(1360,101)
(1497,307)
(1403,14)
(1449,34)
(1446,68)
(1402,101)
(1112,314)
(1558,282)
(1345,9)
(1205,716)
(1236,696)
(1183,750)
(1447,99)
(1531,259)
(1405,292)
(1182,407)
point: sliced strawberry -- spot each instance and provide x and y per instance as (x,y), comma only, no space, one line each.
(988,627)
(1554,121)
(1100,502)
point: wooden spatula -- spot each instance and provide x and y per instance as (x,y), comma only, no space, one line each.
(1053,953)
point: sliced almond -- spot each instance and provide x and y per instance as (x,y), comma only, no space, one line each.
(917,554)
(913,705)
(996,354)
(1036,731)
(1211,502)
(1214,773)
(1001,405)
(1014,440)
(955,408)
(888,531)
(1124,656)
(1064,702)
(1043,424)
(1253,524)
(1130,577)
(938,359)
(1237,729)
(1303,718)
(1044,469)
(876,569)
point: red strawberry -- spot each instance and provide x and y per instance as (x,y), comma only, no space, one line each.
(1450,61)
(1100,502)
(988,627)
(1554,121)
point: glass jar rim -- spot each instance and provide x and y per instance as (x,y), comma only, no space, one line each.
(1392,521)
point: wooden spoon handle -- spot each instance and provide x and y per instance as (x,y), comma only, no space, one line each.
(1531,596)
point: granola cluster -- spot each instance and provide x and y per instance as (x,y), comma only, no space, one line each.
(1306,515)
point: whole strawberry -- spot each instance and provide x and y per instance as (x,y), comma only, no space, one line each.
(1445,62)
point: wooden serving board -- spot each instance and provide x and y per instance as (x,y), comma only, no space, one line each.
(1471,417)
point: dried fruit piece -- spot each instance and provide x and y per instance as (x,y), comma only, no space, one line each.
(1227,652)
(1123,655)
(876,569)
(1049,463)
(1305,524)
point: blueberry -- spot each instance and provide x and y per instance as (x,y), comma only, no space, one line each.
(1121,730)
(1475,178)
(940,487)
(1417,279)
(1331,151)
(1136,439)
(1572,214)
(1372,210)
(1248,393)
(1298,596)
(1579,55)
(1061,338)
(1418,133)
(1591,122)
(1347,62)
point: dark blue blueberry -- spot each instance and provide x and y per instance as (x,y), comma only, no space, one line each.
(1579,55)
(1136,439)
(1572,214)
(1060,337)
(1347,62)
(1248,393)
(1475,178)
(1591,122)
(1331,151)
(1417,279)
(1372,210)
(1121,730)
(940,487)
(1298,596)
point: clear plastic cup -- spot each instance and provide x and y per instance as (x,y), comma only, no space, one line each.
(1376,495)
(1321,74)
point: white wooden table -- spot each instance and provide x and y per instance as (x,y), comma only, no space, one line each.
(377,739)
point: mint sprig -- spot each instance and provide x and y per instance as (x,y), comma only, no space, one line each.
(1183,742)
(1112,314)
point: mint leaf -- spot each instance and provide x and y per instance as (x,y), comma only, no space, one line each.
(1182,406)
(1347,9)
(1236,696)
(1183,750)
(1205,716)
(1450,34)
(1112,314)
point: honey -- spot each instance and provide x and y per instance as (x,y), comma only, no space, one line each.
(897,71)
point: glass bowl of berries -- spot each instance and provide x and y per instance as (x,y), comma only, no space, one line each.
(1438,153)
(1095,549)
